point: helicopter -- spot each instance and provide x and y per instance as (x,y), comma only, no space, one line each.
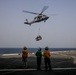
(41,17)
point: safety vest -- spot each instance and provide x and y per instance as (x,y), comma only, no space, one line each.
(25,53)
(46,54)
(39,54)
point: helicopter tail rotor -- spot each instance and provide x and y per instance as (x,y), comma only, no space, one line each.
(26,20)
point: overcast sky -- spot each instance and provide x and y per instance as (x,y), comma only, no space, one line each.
(59,31)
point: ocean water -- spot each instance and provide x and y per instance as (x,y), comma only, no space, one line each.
(31,50)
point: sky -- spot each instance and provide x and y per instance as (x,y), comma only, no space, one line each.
(59,31)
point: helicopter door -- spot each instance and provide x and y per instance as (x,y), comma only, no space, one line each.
(35,19)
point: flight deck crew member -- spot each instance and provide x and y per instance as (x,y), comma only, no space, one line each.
(46,55)
(39,56)
(24,55)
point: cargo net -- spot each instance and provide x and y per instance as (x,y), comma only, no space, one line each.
(38,38)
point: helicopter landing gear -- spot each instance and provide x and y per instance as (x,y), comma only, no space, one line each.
(44,20)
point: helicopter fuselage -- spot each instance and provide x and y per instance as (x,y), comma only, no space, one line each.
(41,18)
(37,19)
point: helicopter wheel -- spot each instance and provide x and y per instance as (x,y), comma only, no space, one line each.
(44,21)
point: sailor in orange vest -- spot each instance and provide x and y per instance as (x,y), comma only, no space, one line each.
(24,55)
(46,55)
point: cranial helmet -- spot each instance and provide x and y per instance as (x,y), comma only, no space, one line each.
(39,48)
(46,48)
(25,48)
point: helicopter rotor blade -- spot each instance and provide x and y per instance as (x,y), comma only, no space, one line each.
(53,14)
(44,8)
(30,12)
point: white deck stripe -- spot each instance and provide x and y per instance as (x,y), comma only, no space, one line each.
(67,55)
(36,69)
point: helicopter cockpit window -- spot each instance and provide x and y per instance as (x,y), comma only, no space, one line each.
(44,16)
(35,18)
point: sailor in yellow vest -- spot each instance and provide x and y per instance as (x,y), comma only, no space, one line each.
(24,55)
(46,55)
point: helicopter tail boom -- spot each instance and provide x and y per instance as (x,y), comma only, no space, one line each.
(27,22)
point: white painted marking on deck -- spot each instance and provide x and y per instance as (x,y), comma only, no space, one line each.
(35,69)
